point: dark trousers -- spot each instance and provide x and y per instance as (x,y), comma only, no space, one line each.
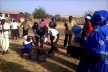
(14,33)
(39,39)
(25,32)
(53,45)
(68,38)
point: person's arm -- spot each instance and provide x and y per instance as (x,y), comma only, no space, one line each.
(21,24)
(55,38)
(74,23)
(29,27)
(90,28)
(66,26)
(55,24)
(50,24)
(45,37)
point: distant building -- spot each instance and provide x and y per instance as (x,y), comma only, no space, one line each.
(11,15)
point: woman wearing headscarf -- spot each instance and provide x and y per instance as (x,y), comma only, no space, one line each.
(95,55)
(87,29)
(43,23)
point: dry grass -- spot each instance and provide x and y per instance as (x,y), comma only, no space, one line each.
(12,62)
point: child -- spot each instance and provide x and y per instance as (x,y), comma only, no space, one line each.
(26,46)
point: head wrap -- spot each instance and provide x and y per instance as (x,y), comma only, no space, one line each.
(100,17)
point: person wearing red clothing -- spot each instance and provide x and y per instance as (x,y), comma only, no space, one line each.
(87,29)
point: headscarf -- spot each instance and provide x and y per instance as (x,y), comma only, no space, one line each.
(100,18)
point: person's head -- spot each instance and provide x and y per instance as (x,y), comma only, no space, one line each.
(14,20)
(52,18)
(88,18)
(70,18)
(42,19)
(2,21)
(45,29)
(26,38)
(99,18)
(25,20)
(35,23)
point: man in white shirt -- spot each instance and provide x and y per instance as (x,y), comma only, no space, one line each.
(4,36)
(54,37)
(14,29)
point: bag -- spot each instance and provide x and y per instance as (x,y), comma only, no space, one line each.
(33,54)
(41,55)
(75,52)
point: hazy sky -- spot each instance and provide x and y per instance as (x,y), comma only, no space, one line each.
(62,7)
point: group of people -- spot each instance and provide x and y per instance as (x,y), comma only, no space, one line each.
(93,39)
(95,43)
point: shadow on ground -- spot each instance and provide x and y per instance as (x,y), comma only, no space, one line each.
(6,66)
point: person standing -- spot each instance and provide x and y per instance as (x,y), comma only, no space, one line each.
(95,47)
(52,23)
(68,33)
(14,29)
(4,36)
(87,29)
(26,27)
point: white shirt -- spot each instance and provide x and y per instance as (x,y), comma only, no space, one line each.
(5,27)
(52,32)
(14,25)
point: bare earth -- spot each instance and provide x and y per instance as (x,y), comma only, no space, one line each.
(61,62)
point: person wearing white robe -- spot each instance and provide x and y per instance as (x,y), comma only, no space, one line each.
(4,36)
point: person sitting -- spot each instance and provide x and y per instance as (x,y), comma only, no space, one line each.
(26,46)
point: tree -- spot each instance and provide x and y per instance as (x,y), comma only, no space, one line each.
(28,16)
(40,13)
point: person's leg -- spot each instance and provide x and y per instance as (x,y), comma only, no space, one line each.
(6,44)
(12,33)
(16,33)
(65,40)
(70,38)
(3,45)
(55,44)
(37,40)
(52,47)
(25,32)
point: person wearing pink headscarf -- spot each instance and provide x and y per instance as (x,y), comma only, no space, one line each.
(43,23)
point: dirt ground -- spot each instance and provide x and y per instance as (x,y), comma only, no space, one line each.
(61,62)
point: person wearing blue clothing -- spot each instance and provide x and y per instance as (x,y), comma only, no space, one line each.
(26,46)
(95,53)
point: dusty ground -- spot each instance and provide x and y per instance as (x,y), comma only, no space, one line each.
(12,62)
